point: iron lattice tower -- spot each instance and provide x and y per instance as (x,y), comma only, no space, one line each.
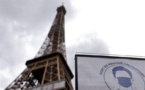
(48,70)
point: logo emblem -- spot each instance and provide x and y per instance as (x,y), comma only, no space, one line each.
(122,76)
(124,81)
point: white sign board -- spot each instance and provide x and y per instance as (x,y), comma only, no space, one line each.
(109,73)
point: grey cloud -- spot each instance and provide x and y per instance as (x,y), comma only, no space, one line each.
(10,45)
(31,12)
(91,45)
(24,22)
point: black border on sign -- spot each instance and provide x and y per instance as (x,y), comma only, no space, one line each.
(76,73)
(100,56)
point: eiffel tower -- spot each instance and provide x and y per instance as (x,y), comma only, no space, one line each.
(49,69)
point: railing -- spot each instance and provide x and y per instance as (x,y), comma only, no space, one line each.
(51,86)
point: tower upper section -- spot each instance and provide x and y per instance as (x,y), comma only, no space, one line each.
(55,40)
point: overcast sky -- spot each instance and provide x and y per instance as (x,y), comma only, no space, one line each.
(91,26)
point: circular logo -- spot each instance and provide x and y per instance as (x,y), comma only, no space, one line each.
(122,76)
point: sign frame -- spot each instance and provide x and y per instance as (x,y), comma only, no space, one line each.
(101,56)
